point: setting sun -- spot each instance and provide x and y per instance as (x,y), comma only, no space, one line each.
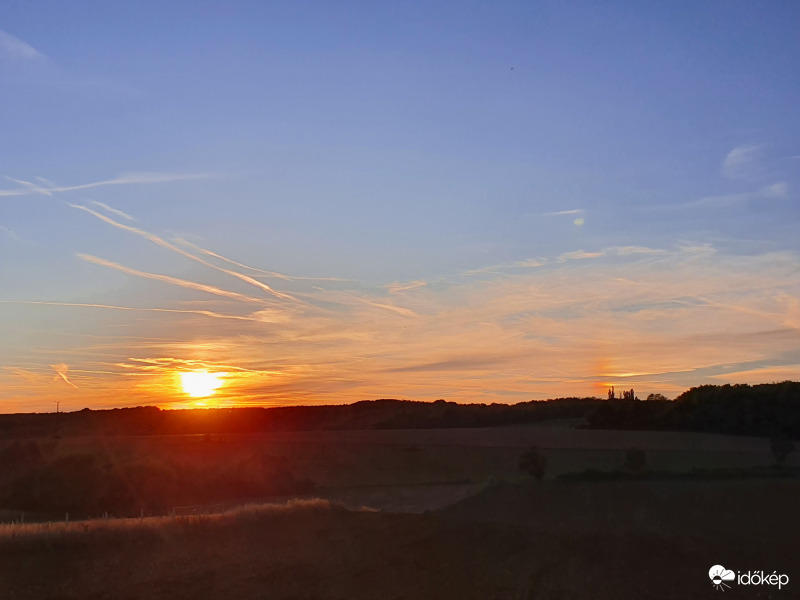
(199,384)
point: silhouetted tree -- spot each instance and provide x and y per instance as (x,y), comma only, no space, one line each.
(634,460)
(657,398)
(533,462)
(781,449)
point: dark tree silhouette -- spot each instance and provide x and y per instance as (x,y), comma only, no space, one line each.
(533,462)
(635,460)
(781,449)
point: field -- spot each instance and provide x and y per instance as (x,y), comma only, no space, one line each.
(394,463)
(429,514)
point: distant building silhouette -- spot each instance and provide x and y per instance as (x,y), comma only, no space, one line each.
(626,394)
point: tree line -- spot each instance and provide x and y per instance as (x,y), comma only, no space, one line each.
(771,410)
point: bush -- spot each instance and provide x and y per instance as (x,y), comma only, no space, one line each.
(533,462)
(781,449)
(635,460)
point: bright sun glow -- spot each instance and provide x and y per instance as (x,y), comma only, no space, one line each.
(199,384)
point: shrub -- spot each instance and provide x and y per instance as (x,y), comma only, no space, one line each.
(533,462)
(635,460)
(781,449)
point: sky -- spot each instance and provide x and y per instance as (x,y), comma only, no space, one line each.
(327,202)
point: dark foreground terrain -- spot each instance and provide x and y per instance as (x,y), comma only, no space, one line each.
(544,540)
(462,502)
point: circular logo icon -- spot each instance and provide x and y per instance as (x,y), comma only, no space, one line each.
(719,575)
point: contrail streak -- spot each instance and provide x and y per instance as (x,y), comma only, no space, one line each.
(32,187)
(61,370)
(574,211)
(206,313)
(397,309)
(165,244)
(200,287)
(126,179)
(345,299)
(255,269)
(114,211)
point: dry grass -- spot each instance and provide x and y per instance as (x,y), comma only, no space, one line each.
(146,526)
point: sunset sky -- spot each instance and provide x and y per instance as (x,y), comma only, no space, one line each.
(325,202)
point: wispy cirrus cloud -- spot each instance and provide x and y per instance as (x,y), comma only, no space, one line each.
(657,319)
(579,255)
(397,287)
(205,313)
(13,49)
(169,246)
(743,161)
(20,62)
(33,188)
(9,234)
(578,213)
(747,168)
(595,322)
(184,283)
(113,211)
(406,312)
(765,374)
(573,211)
(274,274)
(527,263)
(631,250)
(774,191)
(61,370)
(29,188)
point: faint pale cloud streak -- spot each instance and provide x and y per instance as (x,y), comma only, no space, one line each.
(775,191)
(10,234)
(579,255)
(742,161)
(205,313)
(61,370)
(113,211)
(14,49)
(200,287)
(167,245)
(574,211)
(397,287)
(125,179)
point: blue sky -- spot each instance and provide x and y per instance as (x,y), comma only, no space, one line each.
(491,197)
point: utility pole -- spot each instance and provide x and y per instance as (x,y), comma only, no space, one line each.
(58,402)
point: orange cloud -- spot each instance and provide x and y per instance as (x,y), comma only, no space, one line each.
(655,321)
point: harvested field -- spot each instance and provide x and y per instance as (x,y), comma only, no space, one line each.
(427,515)
(542,541)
